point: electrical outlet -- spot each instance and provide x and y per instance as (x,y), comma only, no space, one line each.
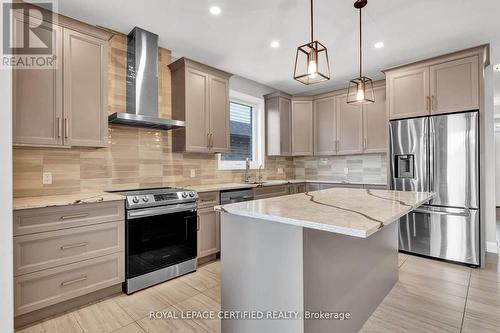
(192,174)
(280,170)
(346,171)
(47,178)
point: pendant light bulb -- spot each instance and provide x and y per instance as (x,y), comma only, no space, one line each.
(312,67)
(360,94)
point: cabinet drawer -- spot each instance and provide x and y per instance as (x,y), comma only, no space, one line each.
(40,289)
(55,248)
(208,199)
(28,221)
(376,187)
(270,191)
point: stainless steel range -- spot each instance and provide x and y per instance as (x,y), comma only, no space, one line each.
(160,235)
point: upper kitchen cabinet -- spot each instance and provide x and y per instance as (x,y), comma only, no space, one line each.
(454,86)
(446,84)
(375,126)
(66,105)
(349,126)
(85,98)
(325,122)
(302,127)
(200,97)
(278,124)
(408,92)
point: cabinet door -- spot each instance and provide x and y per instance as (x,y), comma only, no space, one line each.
(349,127)
(37,97)
(408,93)
(85,99)
(325,131)
(285,110)
(197,110)
(454,86)
(208,232)
(219,114)
(375,124)
(302,128)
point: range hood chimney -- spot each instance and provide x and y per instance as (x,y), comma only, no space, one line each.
(142,84)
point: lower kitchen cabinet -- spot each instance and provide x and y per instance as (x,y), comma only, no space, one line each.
(296,188)
(208,232)
(270,191)
(64,252)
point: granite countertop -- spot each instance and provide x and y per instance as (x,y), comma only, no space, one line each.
(64,200)
(354,212)
(235,186)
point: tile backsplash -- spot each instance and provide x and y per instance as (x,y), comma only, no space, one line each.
(369,168)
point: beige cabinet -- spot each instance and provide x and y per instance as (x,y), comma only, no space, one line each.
(264,192)
(375,123)
(200,97)
(61,253)
(441,85)
(65,106)
(349,127)
(408,92)
(325,126)
(302,128)
(85,80)
(296,188)
(454,86)
(208,232)
(278,124)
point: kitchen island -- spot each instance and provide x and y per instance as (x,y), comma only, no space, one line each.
(312,262)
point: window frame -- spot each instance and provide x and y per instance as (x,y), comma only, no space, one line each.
(258,134)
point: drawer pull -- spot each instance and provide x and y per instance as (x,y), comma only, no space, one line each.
(80,279)
(74,216)
(72,246)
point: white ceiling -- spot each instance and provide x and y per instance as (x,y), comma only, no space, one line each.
(238,39)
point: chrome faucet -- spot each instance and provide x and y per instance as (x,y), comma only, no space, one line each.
(247,170)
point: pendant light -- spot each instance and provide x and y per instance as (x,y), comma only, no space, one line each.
(360,89)
(311,60)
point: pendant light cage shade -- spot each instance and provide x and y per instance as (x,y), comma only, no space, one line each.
(360,91)
(311,63)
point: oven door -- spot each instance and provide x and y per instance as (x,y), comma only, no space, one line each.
(158,237)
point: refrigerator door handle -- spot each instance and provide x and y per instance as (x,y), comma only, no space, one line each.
(438,212)
(432,147)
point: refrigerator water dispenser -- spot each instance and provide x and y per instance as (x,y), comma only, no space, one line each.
(405,166)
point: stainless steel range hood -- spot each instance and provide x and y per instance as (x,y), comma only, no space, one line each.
(142,84)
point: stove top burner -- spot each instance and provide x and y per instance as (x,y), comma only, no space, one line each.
(159,196)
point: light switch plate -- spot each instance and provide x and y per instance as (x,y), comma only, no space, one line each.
(192,174)
(346,171)
(280,170)
(47,178)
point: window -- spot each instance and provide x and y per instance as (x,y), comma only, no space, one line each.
(246,120)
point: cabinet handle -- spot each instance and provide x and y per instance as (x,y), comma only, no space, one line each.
(59,125)
(198,222)
(80,279)
(66,128)
(73,246)
(74,216)
(428,103)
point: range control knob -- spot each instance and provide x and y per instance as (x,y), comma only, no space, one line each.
(135,200)
(145,199)
(191,194)
(184,195)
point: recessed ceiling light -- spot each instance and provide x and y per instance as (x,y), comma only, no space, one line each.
(379,45)
(275,44)
(215,10)
(497,67)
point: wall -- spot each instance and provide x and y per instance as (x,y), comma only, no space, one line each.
(6,264)
(135,157)
(370,168)
(488,159)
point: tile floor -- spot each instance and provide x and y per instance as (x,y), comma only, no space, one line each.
(430,296)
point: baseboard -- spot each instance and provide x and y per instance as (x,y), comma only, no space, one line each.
(492,247)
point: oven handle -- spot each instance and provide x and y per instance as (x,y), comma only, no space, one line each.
(134,214)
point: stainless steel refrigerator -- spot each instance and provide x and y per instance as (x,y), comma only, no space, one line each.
(439,154)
